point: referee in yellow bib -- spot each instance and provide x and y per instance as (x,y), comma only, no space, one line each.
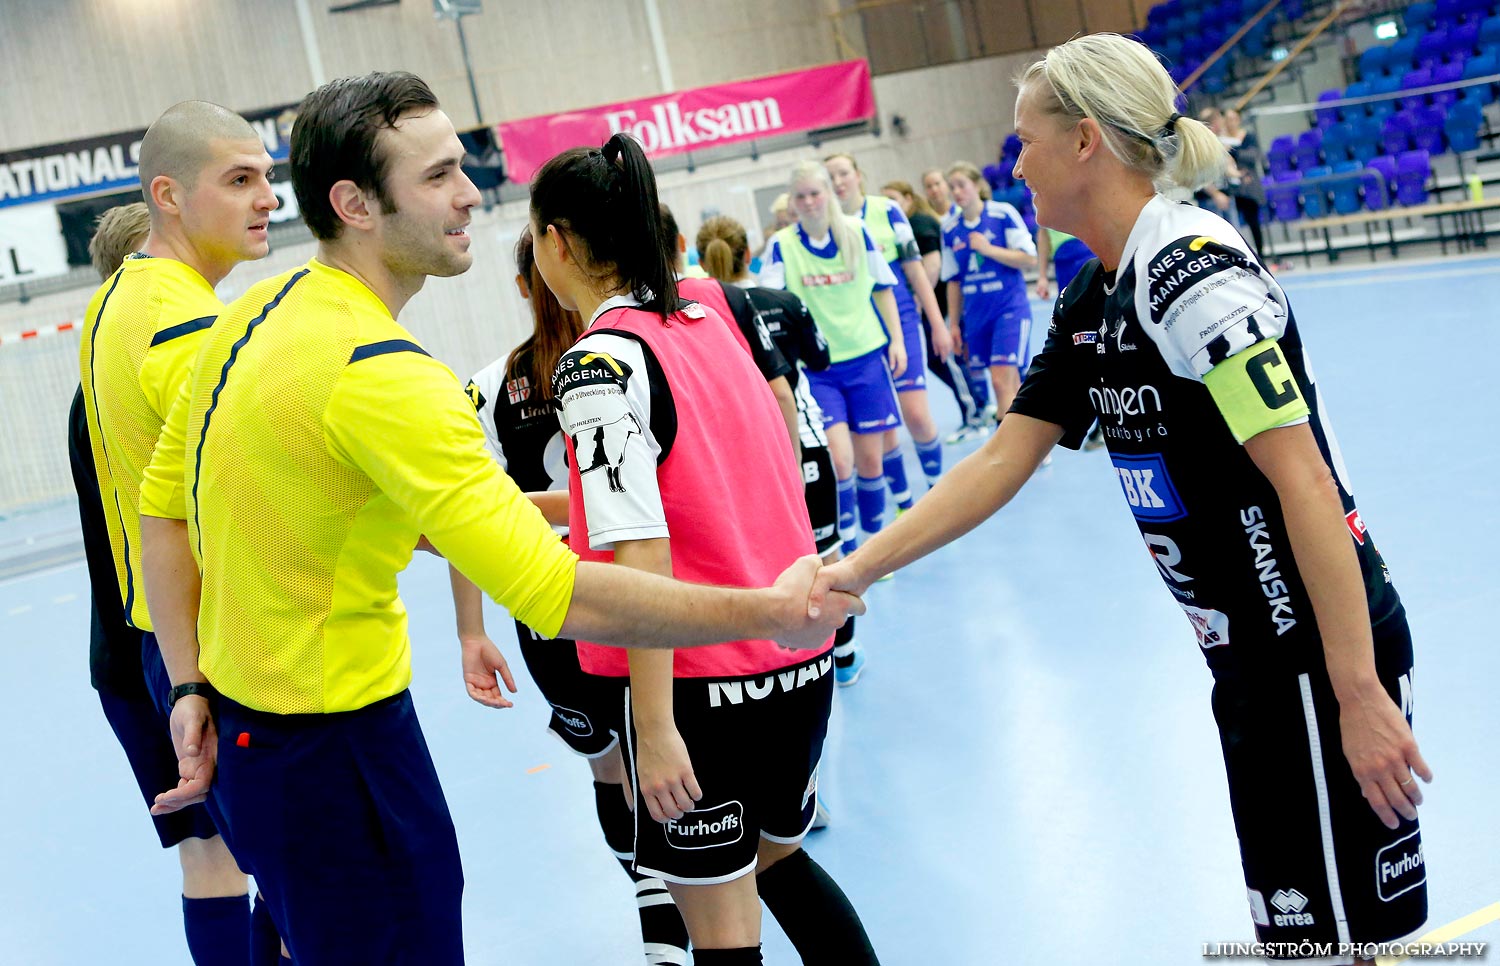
(314,445)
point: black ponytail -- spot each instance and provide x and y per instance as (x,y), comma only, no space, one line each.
(606,201)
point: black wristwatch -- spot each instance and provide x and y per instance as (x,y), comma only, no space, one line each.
(201,688)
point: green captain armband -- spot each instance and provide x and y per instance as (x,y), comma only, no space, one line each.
(1255,390)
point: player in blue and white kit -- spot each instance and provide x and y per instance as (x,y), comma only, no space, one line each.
(892,234)
(985,247)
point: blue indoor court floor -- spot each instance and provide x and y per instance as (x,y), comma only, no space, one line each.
(1027,773)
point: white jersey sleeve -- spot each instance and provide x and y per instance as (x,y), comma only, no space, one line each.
(483,390)
(606,411)
(1017,235)
(880,269)
(773,268)
(1200,294)
(950,261)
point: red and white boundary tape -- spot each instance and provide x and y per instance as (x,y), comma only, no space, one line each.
(38,332)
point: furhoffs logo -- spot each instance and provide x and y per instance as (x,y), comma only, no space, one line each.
(1400,867)
(707,828)
(574,722)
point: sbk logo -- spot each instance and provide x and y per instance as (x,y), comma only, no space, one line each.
(1148,489)
(707,828)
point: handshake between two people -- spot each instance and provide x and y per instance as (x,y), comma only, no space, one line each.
(612,605)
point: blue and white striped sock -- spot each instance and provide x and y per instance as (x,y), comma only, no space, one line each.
(846,514)
(895,474)
(930,455)
(870,495)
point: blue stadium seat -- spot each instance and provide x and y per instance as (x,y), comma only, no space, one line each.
(1328,115)
(1403,52)
(1365,144)
(1485,65)
(1489,32)
(1384,85)
(1216,79)
(1345,191)
(1395,133)
(1336,141)
(1373,62)
(1257,39)
(1462,40)
(1315,196)
(1413,171)
(1359,88)
(1462,126)
(1282,155)
(1430,48)
(1309,149)
(1420,13)
(1379,183)
(1427,129)
(1446,74)
(1281,195)
(1411,80)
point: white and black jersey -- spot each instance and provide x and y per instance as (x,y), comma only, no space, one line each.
(520,427)
(795,334)
(1141,354)
(765,350)
(522,434)
(615,403)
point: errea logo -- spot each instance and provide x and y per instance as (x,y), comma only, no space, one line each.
(1289,904)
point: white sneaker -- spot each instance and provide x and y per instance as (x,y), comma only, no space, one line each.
(970,431)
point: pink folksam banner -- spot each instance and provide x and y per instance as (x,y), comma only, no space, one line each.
(704,117)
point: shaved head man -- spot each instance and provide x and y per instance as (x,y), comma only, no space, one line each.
(205,173)
(205,178)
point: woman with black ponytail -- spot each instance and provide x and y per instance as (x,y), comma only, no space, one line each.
(518,413)
(680,464)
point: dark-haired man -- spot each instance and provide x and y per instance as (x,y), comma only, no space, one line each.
(204,174)
(316,443)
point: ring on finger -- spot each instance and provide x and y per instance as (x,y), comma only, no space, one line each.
(1408,781)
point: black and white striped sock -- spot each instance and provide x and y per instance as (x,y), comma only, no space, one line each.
(664,936)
